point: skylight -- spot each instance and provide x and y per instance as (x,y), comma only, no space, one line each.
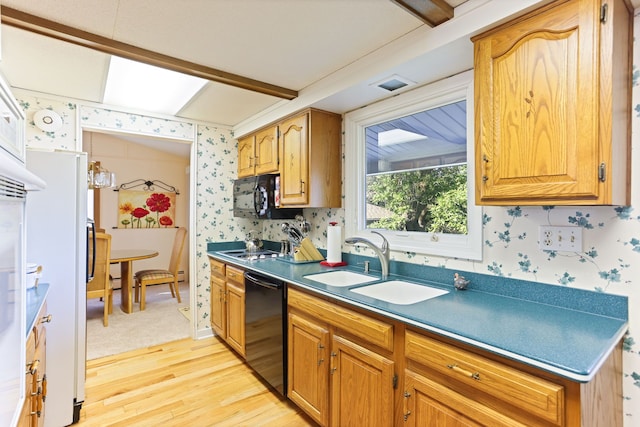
(136,85)
(398,136)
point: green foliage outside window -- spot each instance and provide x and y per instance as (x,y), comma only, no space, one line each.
(430,200)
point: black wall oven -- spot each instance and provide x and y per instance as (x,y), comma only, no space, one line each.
(266,328)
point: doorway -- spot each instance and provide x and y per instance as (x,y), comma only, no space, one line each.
(134,158)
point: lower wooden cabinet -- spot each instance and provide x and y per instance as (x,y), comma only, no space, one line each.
(457,384)
(362,385)
(335,374)
(228,304)
(33,411)
(308,366)
(347,367)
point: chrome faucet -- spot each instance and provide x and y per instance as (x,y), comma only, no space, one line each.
(382,252)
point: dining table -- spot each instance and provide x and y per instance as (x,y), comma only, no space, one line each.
(125,258)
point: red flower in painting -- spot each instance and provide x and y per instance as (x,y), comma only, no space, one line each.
(158,202)
(166,221)
(140,212)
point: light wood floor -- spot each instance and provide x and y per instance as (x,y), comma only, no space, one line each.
(182,383)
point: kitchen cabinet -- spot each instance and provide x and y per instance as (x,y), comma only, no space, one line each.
(33,411)
(362,388)
(552,106)
(340,363)
(218,297)
(311,159)
(258,153)
(445,384)
(228,304)
(308,375)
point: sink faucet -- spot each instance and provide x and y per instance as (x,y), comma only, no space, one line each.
(382,252)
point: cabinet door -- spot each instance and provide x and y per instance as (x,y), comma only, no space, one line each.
(246,157)
(266,151)
(235,317)
(308,367)
(361,386)
(429,404)
(218,307)
(294,169)
(536,106)
(26,414)
(41,378)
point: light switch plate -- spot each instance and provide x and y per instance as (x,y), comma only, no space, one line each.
(560,238)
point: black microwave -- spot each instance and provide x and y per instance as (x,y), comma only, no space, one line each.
(259,197)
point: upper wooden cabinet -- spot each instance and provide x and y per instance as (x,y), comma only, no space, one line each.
(311,160)
(258,153)
(552,110)
(306,150)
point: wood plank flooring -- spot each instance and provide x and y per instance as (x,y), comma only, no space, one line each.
(182,383)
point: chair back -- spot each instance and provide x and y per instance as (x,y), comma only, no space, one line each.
(176,252)
(103,257)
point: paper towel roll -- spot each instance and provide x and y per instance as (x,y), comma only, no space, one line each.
(334,243)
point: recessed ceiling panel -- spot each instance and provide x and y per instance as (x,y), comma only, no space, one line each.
(226,105)
(42,64)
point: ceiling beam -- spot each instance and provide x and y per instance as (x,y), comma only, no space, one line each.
(45,27)
(432,12)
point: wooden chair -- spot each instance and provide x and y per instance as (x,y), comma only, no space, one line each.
(156,276)
(101,285)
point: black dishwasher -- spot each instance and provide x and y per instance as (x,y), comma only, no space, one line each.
(266,328)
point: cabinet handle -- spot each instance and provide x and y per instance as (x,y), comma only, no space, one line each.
(44,387)
(472,375)
(39,403)
(32,368)
(46,319)
(406,411)
(320,358)
(302,187)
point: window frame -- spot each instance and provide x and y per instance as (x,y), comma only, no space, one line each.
(443,92)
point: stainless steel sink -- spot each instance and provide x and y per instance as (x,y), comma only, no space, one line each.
(341,278)
(399,292)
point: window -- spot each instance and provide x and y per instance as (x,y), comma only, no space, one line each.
(413,174)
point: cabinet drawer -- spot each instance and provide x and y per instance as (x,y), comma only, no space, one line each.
(217,267)
(533,395)
(235,275)
(365,327)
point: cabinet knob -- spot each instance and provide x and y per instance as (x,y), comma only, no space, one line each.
(46,319)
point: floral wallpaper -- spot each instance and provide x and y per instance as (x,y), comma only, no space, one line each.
(62,139)
(609,261)
(95,117)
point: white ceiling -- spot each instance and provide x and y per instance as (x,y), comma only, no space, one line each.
(330,51)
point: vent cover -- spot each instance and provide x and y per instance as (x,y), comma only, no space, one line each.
(394,82)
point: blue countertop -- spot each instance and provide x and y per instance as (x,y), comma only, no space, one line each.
(566,331)
(35,298)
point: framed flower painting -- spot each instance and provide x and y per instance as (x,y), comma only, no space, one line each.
(146,209)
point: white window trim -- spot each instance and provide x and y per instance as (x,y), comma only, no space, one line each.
(442,92)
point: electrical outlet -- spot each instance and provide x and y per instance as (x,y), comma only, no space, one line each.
(559,238)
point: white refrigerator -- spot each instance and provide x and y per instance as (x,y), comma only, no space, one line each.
(57,240)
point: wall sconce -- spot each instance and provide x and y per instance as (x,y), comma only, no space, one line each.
(99,177)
